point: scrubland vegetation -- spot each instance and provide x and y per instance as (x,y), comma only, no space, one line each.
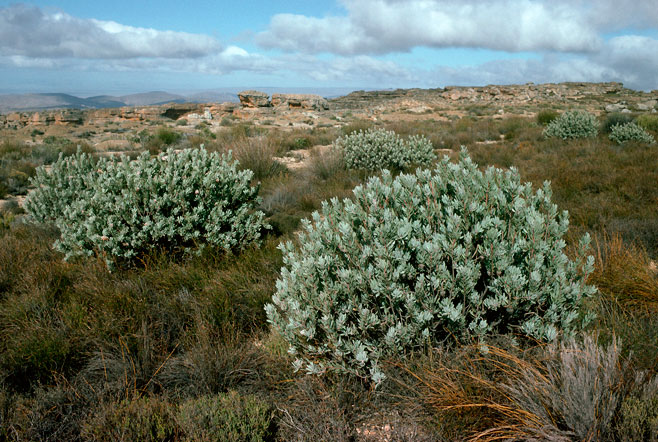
(168,346)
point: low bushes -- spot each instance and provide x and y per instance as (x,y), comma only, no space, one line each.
(120,209)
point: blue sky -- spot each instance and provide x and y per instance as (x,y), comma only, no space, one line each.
(88,47)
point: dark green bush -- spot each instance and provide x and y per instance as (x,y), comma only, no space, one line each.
(546,116)
(615,119)
(167,136)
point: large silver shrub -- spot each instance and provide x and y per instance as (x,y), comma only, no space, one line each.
(122,208)
(573,124)
(377,149)
(416,259)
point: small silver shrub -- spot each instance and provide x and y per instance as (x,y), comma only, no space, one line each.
(621,133)
(377,149)
(416,259)
(573,124)
(122,208)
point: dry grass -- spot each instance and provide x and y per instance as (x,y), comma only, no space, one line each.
(625,274)
(555,392)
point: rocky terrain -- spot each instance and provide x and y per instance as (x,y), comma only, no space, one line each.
(111,126)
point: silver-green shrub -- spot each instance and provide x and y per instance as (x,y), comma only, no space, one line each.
(422,257)
(67,181)
(573,124)
(621,133)
(377,149)
(119,208)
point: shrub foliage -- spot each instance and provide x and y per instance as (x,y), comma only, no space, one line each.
(424,256)
(622,133)
(377,149)
(573,124)
(122,208)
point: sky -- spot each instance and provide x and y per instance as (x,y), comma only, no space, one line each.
(119,47)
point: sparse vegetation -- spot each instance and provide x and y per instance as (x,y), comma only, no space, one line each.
(168,345)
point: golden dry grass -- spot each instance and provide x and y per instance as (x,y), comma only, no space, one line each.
(624,273)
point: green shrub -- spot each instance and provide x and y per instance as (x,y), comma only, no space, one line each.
(122,208)
(424,256)
(648,121)
(377,149)
(226,417)
(615,119)
(638,420)
(546,116)
(622,133)
(573,124)
(167,136)
(139,420)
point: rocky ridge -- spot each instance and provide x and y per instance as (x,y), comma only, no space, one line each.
(307,110)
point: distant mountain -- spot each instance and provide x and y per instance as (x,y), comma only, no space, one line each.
(41,101)
(213,97)
(36,102)
(152,98)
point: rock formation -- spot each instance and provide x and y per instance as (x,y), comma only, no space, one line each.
(254,99)
(300,101)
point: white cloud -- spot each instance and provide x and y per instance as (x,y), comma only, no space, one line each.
(360,70)
(27,31)
(384,26)
(567,38)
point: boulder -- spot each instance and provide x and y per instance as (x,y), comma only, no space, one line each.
(253,99)
(72,116)
(647,105)
(616,107)
(300,101)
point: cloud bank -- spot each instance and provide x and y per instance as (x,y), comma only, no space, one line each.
(26,31)
(370,45)
(385,26)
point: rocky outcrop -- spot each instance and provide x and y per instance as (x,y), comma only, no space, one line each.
(290,109)
(300,101)
(498,95)
(254,99)
(16,120)
(174,112)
